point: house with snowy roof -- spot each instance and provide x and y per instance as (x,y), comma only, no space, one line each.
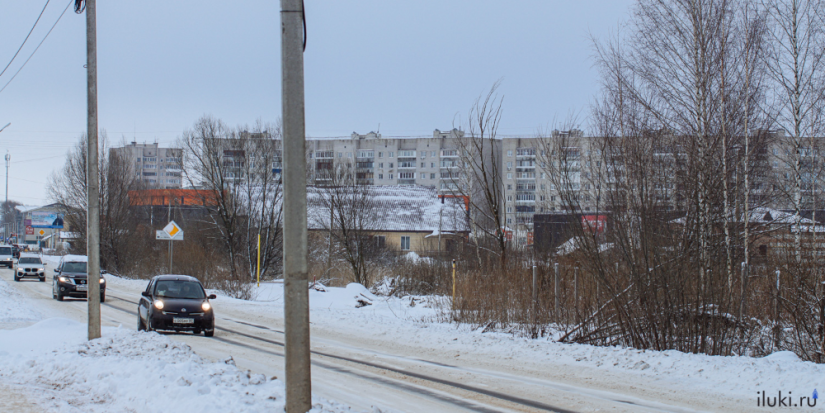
(401,218)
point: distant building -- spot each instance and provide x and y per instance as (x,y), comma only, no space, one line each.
(154,166)
(402,218)
(41,225)
(156,206)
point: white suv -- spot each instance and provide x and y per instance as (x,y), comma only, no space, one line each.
(30,265)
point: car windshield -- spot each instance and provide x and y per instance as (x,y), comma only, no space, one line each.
(29,260)
(179,289)
(74,267)
(5,250)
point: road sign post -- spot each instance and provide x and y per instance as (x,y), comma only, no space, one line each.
(171,232)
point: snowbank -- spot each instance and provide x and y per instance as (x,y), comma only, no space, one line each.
(14,308)
(417,322)
(130,371)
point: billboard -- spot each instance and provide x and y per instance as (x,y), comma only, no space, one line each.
(47,220)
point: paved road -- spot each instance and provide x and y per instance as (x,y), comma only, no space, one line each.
(367,371)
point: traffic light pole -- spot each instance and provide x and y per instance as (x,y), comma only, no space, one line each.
(93,180)
(296,292)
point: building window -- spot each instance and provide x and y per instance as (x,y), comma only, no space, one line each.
(509,187)
(390,165)
(380,176)
(432,164)
(405,243)
(423,164)
(423,176)
(509,209)
(509,198)
(380,164)
(509,175)
(432,176)
(390,176)
(380,241)
(510,153)
(392,154)
(509,220)
(340,155)
(380,154)
(432,153)
(349,154)
(423,154)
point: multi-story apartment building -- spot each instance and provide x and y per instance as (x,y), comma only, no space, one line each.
(154,166)
(375,160)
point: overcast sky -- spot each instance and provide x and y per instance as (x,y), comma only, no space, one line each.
(408,66)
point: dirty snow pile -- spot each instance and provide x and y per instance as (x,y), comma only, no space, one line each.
(130,371)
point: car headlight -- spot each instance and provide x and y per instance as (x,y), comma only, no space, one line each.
(102,280)
(63,279)
(206,306)
(19,270)
(158,304)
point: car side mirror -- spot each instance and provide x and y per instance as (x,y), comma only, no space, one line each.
(145,294)
(212,296)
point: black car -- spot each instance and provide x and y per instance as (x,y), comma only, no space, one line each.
(70,278)
(176,303)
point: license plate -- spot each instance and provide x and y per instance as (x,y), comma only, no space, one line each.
(82,288)
(179,320)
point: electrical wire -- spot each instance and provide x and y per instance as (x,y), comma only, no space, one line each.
(26,39)
(38,46)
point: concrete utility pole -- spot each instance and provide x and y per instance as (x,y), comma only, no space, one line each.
(93,180)
(296,291)
(8,159)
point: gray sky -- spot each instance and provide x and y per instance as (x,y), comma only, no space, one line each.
(410,66)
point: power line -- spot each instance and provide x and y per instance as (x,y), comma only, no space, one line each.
(26,39)
(38,47)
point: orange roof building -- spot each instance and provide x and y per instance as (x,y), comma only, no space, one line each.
(163,197)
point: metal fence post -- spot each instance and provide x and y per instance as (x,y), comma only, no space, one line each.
(556,290)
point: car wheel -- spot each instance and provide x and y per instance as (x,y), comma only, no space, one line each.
(58,296)
(16,278)
(209,333)
(42,279)
(149,324)
(102,298)
(196,332)
(140,326)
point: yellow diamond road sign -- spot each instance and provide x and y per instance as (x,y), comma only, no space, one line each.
(41,232)
(173,230)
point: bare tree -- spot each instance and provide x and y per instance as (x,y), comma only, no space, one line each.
(239,171)
(796,64)
(479,175)
(118,223)
(347,212)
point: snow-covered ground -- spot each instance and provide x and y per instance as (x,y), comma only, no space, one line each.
(55,367)
(68,374)
(126,370)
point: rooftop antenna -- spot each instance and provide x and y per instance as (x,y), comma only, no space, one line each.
(379,128)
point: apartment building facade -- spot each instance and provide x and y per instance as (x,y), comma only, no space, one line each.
(152,165)
(565,172)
